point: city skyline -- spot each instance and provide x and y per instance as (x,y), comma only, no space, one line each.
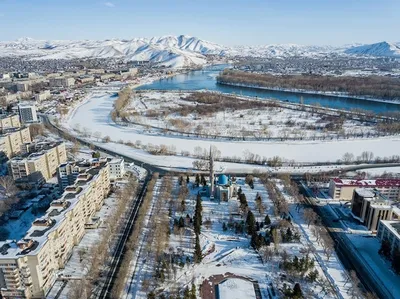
(234,22)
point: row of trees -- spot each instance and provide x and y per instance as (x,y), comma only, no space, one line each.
(124,97)
(373,86)
(197,222)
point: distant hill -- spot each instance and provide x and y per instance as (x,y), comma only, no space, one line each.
(378,49)
(176,51)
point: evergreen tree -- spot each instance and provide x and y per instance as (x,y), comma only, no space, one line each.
(203,180)
(193,292)
(297,293)
(180,180)
(197,180)
(187,179)
(251,223)
(197,215)
(267,220)
(186,293)
(197,251)
(312,276)
(289,235)
(151,295)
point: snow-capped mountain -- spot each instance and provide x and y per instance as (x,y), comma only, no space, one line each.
(378,49)
(176,51)
(171,51)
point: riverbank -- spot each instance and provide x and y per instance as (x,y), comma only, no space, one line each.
(311,92)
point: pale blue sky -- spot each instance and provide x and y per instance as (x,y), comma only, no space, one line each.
(229,22)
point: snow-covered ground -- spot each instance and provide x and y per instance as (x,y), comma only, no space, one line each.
(94,115)
(228,252)
(250,123)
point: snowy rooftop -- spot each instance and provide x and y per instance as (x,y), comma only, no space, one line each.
(365,192)
(367,183)
(38,234)
(236,288)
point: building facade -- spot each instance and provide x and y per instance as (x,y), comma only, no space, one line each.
(61,82)
(343,189)
(28,268)
(390,231)
(9,121)
(44,162)
(42,96)
(12,139)
(117,168)
(369,207)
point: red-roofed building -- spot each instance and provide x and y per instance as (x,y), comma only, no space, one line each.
(343,189)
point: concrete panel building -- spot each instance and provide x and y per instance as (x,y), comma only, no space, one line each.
(390,231)
(44,161)
(42,96)
(117,168)
(369,207)
(343,189)
(61,82)
(9,121)
(28,268)
(12,139)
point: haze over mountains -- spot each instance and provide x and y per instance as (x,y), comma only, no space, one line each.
(177,51)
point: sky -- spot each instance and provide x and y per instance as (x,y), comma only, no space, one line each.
(227,22)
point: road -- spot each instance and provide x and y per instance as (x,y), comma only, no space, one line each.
(345,251)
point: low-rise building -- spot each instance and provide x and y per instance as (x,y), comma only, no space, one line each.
(343,189)
(61,81)
(27,112)
(9,121)
(369,207)
(390,230)
(107,76)
(44,161)
(42,96)
(11,140)
(28,268)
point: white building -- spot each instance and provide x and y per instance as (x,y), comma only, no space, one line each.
(117,168)
(27,112)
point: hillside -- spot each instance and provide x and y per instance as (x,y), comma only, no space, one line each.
(177,51)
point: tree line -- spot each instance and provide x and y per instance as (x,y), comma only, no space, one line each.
(381,87)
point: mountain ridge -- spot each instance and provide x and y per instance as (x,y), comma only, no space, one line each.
(177,51)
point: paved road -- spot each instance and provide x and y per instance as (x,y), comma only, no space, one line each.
(345,251)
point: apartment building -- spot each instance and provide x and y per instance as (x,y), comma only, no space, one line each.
(27,112)
(68,172)
(11,140)
(390,230)
(117,168)
(9,121)
(28,268)
(42,96)
(61,81)
(23,86)
(369,207)
(43,161)
(343,189)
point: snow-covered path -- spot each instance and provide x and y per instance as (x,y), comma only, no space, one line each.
(94,116)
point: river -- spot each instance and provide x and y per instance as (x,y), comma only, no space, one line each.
(206,79)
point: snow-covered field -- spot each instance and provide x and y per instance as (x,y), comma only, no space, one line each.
(94,116)
(250,123)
